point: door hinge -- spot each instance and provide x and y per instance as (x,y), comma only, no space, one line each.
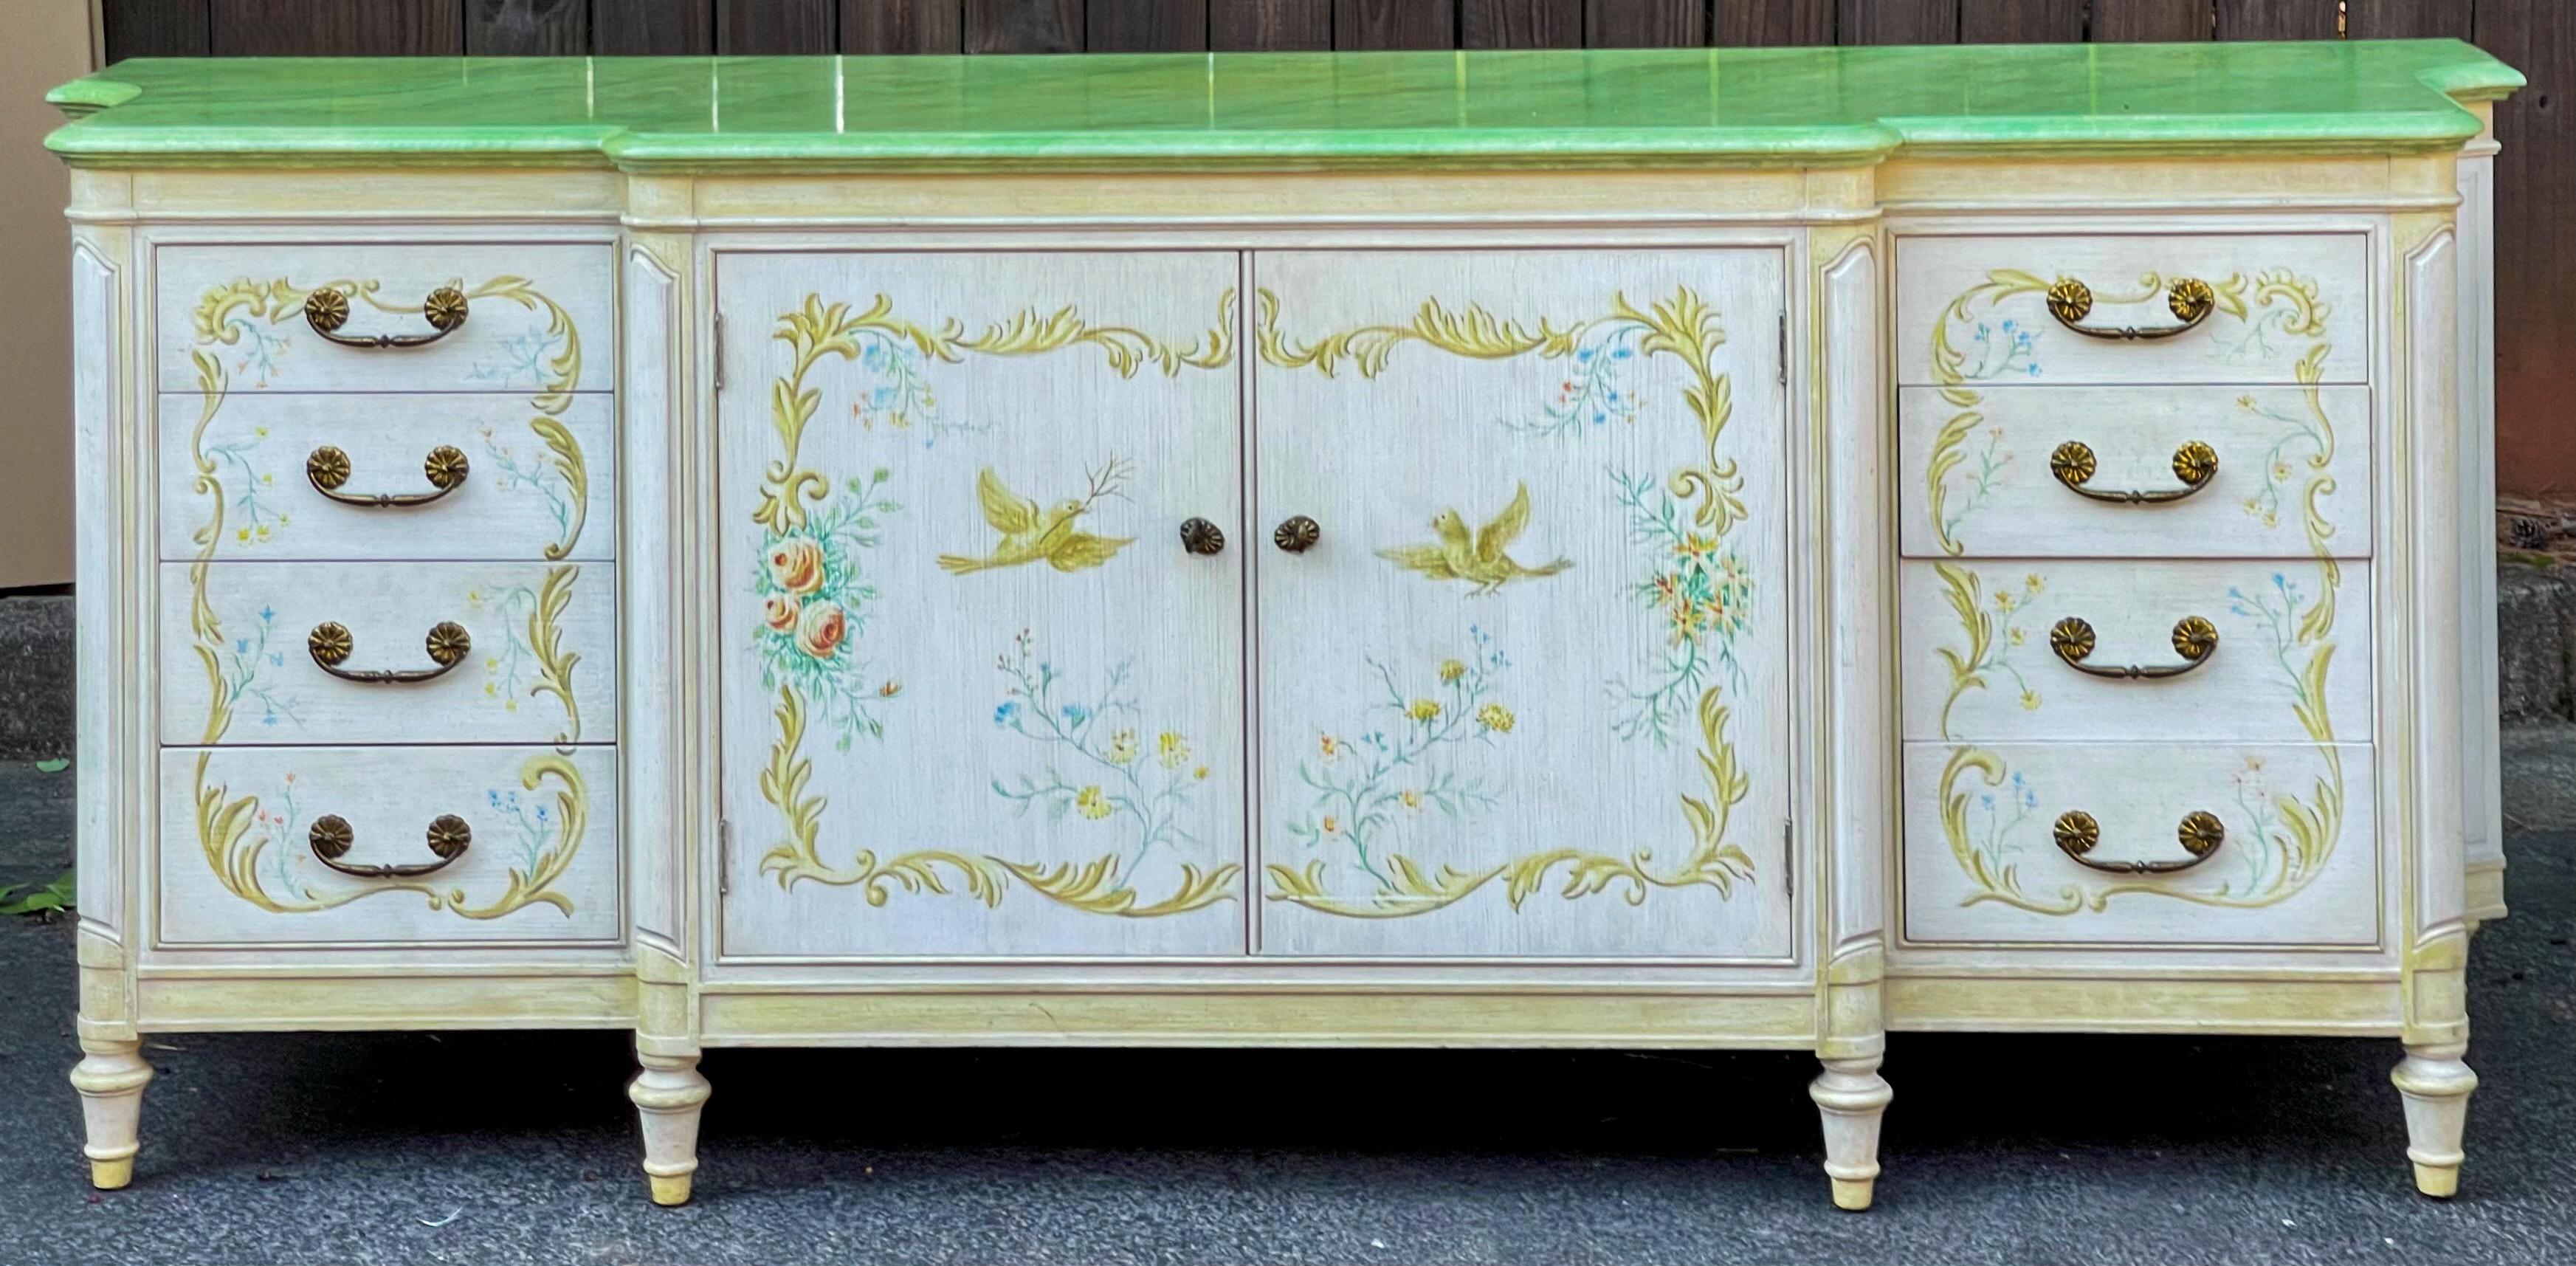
(724,858)
(1784,349)
(719,351)
(1789,854)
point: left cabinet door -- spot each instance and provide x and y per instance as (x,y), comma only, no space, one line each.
(979,696)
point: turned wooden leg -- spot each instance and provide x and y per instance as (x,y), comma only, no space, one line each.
(669,1094)
(110,1079)
(1853,1097)
(2435,1085)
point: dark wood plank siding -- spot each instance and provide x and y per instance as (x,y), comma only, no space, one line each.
(1146,26)
(1779,22)
(337,28)
(903,26)
(2172,20)
(753,27)
(1898,21)
(1520,23)
(2535,244)
(527,27)
(668,28)
(2023,21)
(2412,19)
(1645,23)
(1394,24)
(2276,20)
(155,28)
(1250,25)
(1024,26)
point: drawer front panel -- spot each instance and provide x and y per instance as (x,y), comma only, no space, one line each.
(1973,313)
(237,863)
(522,484)
(1980,663)
(1981,480)
(237,662)
(2298,864)
(536,317)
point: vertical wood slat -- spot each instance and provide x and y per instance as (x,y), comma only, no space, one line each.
(2173,20)
(1145,26)
(1645,23)
(2535,220)
(2023,21)
(1266,25)
(154,28)
(337,28)
(1899,22)
(657,28)
(1520,23)
(550,28)
(1394,24)
(2410,19)
(2277,20)
(1778,22)
(1024,26)
(754,27)
(903,26)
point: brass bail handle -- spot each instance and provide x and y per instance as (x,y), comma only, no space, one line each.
(328,468)
(2194,638)
(327,309)
(2200,833)
(330,644)
(2188,298)
(2195,464)
(332,835)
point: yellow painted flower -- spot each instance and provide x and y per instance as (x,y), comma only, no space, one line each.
(1423,710)
(1172,749)
(2003,600)
(1092,804)
(1695,545)
(1412,798)
(1495,717)
(1122,747)
(242,535)
(1451,670)
(1331,747)
(2030,701)
(2033,583)
(1199,773)
(890,690)
(1332,825)
(2016,636)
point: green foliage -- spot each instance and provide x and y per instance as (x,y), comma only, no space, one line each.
(49,900)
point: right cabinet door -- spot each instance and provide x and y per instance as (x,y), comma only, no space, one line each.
(1522,604)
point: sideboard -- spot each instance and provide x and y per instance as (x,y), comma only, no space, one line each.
(1739,548)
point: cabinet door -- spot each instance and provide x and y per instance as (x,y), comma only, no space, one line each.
(978,698)
(1525,693)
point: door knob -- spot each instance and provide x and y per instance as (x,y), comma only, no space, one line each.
(1297,535)
(1199,536)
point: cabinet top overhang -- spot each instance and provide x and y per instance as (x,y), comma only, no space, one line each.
(1284,111)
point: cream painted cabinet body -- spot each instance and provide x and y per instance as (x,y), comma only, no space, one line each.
(1233,582)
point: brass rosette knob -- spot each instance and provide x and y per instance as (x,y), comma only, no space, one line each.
(1297,534)
(2188,298)
(2072,640)
(331,837)
(1199,536)
(330,644)
(2200,833)
(326,310)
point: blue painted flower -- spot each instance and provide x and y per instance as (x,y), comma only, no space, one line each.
(1003,714)
(267,615)
(1075,714)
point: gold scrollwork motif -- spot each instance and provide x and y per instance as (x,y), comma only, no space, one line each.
(1094,887)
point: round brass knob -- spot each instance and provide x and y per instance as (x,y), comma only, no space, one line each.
(1297,534)
(448,836)
(448,642)
(1199,536)
(445,466)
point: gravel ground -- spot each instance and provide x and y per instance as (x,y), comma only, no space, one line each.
(495,1149)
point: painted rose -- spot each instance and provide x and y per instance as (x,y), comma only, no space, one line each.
(780,611)
(797,565)
(820,629)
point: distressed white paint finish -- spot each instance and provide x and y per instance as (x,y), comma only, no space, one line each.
(2245,690)
(646,630)
(389,799)
(1349,641)
(1933,272)
(1999,499)
(2139,792)
(940,727)
(99,449)
(2481,772)
(504,345)
(518,500)
(265,612)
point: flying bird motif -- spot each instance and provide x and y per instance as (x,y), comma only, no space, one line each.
(1030,533)
(1480,560)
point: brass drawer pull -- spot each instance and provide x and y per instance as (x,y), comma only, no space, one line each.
(2195,464)
(330,645)
(1297,534)
(328,468)
(327,309)
(2194,638)
(1199,536)
(331,837)
(2189,299)
(2200,834)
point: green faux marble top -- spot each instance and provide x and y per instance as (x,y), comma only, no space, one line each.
(1284,110)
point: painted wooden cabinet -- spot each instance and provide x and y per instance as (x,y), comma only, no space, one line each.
(1568,549)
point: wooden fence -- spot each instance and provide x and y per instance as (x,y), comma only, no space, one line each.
(2536,177)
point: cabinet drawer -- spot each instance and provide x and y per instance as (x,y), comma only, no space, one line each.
(1981,664)
(232,317)
(238,864)
(2297,864)
(519,484)
(1973,313)
(238,664)
(1983,479)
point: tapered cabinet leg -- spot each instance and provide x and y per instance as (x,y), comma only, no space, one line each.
(1853,1097)
(669,1094)
(2435,1085)
(110,1079)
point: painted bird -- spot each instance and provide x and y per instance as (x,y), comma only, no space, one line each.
(1029,534)
(1480,559)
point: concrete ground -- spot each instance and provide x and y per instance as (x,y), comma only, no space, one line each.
(517,1148)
